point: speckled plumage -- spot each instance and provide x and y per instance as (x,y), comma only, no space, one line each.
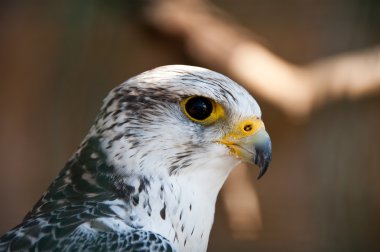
(146,177)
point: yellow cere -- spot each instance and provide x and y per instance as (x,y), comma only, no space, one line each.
(216,114)
(249,127)
(244,128)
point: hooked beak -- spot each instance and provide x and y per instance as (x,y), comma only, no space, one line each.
(253,147)
(262,151)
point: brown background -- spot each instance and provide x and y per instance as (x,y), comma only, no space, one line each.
(58,59)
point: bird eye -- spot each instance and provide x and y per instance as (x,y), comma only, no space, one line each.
(198,108)
(202,109)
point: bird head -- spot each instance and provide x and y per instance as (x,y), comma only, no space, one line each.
(176,118)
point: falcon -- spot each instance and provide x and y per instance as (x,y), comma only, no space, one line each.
(147,175)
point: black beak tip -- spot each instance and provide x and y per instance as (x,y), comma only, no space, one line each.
(263,168)
(263,158)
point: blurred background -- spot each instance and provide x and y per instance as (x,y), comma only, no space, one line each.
(58,60)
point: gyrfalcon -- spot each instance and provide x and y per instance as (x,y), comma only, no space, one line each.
(147,175)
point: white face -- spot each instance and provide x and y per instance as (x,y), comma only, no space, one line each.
(153,118)
(180,130)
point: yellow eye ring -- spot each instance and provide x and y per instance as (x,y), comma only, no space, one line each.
(202,109)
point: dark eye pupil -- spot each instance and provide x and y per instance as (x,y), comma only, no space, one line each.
(199,108)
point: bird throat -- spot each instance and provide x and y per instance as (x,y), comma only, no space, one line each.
(179,207)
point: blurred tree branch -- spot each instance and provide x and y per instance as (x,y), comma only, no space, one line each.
(214,39)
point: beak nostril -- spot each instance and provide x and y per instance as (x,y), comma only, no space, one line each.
(248,128)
